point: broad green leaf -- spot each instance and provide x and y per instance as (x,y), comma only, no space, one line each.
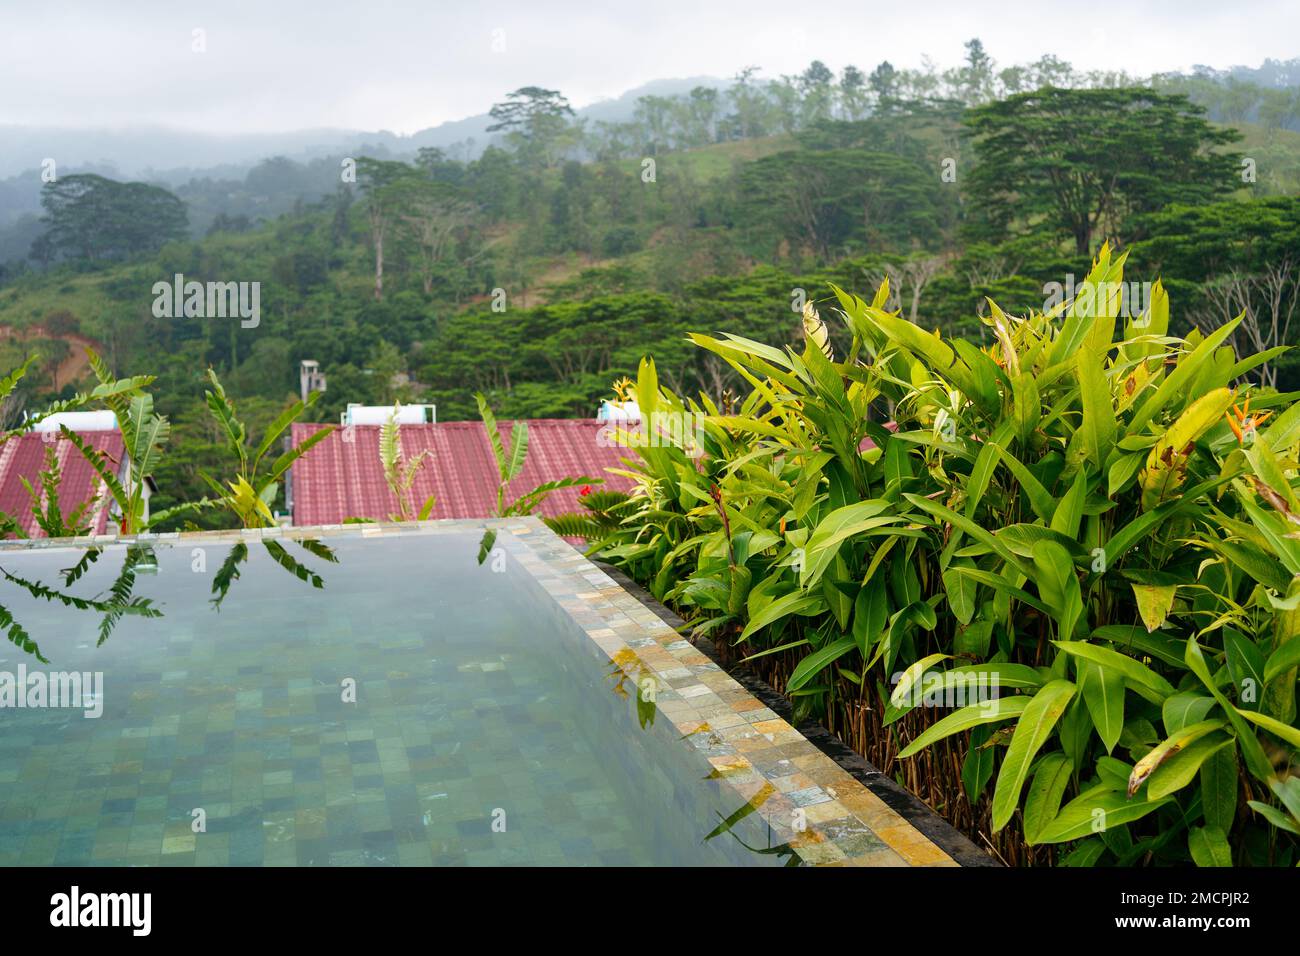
(1167,748)
(1275,816)
(1122,471)
(1209,846)
(1288,791)
(1140,677)
(912,675)
(993,676)
(1274,726)
(1069,512)
(1176,383)
(1098,426)
(1270,471)
(1022,538)
(1058,585)
(1246,665)
(1039,499)
(870,614)
(973,715)
(518,450)
(981,472)
(1002,585)
(1103,694)
(494,434)
(1026,405)
(1256,761)
(1181,768)
(1095,812)
(971,528)
(977,768)
(1161,645)
(1252,560)
(1146,523)
(1182,709)
(1282,660)
(1032,730)
(1219,788)
(796,602)
(961,591)
(1043,802)
(831,531)
(1085,854)
(936,354)
(814,663)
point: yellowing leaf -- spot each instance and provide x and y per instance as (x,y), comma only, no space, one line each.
(1154,602)
(1167,461)
(1168,748)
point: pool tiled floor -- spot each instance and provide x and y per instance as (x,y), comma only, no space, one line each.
(321,790)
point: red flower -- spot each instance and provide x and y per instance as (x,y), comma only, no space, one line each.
(584,491)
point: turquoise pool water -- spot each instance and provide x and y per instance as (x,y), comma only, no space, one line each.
(415,708)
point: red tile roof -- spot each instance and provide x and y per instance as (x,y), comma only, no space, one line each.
(23,456)
(341,479)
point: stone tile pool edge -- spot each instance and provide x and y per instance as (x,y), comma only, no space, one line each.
(752,749)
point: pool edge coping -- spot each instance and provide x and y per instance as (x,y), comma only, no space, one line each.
(908,805)
(933,843)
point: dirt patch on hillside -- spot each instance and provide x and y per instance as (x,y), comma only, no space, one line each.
(73,366)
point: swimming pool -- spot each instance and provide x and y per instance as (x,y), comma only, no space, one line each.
(389,695)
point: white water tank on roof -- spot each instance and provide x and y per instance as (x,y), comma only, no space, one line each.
(619,411)
(103,421)
(379,414)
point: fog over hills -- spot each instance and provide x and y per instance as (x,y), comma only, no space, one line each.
(173,156)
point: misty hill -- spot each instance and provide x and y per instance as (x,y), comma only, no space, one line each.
(173,156)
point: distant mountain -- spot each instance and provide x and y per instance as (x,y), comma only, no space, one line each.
(1275,74)
(138,151)
(176,156)
(620,109)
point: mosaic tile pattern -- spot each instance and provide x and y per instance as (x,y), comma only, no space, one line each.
(476,693)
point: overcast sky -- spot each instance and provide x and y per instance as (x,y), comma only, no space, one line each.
(403,65)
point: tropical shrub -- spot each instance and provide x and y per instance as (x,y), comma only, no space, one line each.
(46,507)
(144,433)
(249,494)
(1067,573)
(400,472)
(510,465)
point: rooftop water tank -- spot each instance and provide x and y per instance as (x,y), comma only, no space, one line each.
(618,411)
(379,414)
(103,421)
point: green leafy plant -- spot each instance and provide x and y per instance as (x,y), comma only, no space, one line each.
(46,508)
(601,515)
(116,394)
(400,473)
(511,465)
(248,495)
(144,434)
(1082,524)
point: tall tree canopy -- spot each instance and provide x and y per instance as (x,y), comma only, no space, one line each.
(523,108)
(1071,162)
(536,122)
(91,217)
(839,201)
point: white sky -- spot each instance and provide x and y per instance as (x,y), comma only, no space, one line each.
(403,65)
